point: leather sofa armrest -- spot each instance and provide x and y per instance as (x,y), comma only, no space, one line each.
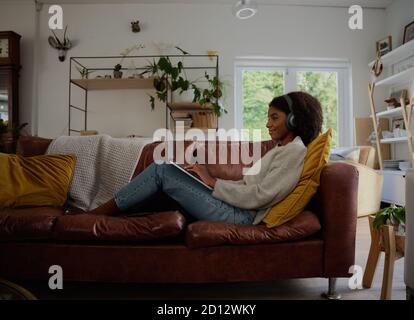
(338,198)
(29,146)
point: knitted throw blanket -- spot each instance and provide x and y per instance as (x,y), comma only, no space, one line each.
(103,165)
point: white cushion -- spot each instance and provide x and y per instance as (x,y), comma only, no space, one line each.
(345,153)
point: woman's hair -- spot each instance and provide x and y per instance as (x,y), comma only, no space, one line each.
(307,112)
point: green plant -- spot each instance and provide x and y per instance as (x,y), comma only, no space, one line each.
(84,72)
(16,130)
(389,216)
(212,94)
(169,76)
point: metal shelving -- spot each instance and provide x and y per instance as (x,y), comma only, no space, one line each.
(198,63)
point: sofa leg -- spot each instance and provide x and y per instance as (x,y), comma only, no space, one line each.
(410,293)
(331,294)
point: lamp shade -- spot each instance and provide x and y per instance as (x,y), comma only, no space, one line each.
(245,9)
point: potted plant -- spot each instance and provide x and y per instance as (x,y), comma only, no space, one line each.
(212,94)
(84,72)
(392,216)
(9,136)
(171,77)
(117,71)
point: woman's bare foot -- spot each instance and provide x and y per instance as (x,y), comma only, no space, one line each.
(107,209)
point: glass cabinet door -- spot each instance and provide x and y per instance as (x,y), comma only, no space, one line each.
(4,97)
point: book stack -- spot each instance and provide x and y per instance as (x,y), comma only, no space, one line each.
(392,164)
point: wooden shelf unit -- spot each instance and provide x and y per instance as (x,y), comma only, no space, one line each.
(105,65)
(394,181)
(113,84)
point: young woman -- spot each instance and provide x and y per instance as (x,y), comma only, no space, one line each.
(294,120)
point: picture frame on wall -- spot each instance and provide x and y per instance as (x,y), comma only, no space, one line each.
(408,32)
(384,46)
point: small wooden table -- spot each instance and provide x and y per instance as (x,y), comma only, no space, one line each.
(383,240)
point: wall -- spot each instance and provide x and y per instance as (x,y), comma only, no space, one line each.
(283,31)
(20,19)
(397,16)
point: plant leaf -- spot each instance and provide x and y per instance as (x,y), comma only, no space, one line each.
(182,51)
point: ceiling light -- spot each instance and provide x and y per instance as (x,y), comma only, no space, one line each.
(245,9)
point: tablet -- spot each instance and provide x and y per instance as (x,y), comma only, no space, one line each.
(192,175)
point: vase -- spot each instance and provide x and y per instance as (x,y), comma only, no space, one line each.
(117,74)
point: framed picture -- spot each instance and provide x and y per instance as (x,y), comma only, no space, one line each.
(384,46)
(398,128)
(398,124)
(408,32)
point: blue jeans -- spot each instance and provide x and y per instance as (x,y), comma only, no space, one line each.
(195,198)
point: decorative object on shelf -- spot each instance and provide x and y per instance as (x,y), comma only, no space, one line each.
(117,71)
(244,9)
(124,54)
(384,45)
(377,66)
(398,128)
(84,72)
(408,32)
(135,26)
(387,135)
(211,54)
(395,98)
(61,45)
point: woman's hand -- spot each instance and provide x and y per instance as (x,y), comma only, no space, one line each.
(202,172)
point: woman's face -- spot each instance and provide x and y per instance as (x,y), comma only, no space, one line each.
(277,128)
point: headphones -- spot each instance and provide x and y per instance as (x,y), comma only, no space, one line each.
(290,120)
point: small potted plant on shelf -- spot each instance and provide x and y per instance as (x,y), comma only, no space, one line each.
(117,71)
(84,73)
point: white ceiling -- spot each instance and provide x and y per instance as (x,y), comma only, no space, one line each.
(325,3)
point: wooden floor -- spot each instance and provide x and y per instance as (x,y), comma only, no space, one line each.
(308,289)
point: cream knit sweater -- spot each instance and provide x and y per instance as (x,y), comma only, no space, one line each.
(280,170)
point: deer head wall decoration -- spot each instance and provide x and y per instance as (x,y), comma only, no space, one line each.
(61,45)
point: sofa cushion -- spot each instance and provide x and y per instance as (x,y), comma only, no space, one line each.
(316,158)
(207,233)
(35,181)
(87,227)
(28,223)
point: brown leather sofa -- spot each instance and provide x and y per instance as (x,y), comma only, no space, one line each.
(168,247)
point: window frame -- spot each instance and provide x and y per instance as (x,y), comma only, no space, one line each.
(290,67)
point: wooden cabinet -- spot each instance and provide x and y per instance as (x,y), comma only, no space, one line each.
(9,86)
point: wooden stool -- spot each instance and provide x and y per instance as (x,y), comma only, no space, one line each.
(383,240)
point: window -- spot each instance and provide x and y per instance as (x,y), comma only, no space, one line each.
(259,80)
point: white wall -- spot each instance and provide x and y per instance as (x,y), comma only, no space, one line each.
(275,31)
(20,19)
(399,14)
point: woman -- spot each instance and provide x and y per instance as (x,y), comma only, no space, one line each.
(294,120)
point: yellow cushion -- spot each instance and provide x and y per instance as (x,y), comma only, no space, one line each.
(317,157)
(35,181)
